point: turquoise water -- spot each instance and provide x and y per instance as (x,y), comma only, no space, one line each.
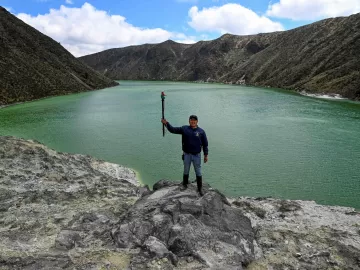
(262,142)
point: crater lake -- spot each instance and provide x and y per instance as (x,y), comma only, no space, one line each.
(262,142)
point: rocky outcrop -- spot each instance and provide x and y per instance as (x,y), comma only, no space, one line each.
(66,211)
(34,66)
(302,234)
(321,58)
(57,210)
(172,224)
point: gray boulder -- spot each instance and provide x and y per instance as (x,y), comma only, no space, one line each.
(67,239)
(170,223)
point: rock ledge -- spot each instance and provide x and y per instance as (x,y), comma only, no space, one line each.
(64,211)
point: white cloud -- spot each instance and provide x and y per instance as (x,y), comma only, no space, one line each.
(181,38)
(186,41)
(9,9)
(313,9)
(231,18)
(69,2)
(87,30)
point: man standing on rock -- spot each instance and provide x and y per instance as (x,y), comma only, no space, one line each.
(193,140)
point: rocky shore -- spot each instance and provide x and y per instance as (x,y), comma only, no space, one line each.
(66,211)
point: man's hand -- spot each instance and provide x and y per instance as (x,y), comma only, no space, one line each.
(205,159)
(164,121)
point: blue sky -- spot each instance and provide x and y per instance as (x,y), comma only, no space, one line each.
(85,27)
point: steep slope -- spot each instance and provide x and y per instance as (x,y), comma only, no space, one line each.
(33,65)
(319,57)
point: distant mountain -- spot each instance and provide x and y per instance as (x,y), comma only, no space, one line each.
(323,57)
(33,65)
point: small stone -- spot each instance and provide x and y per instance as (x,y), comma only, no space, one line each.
(107,265)
(66,240)
(333,263)
(324,254)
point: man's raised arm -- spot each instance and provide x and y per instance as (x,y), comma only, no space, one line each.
(170,128)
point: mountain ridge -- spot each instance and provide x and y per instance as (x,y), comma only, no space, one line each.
(320,58)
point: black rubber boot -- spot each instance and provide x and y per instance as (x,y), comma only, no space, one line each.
(199,185)
(185,181)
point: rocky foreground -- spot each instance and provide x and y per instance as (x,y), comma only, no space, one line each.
(64,211)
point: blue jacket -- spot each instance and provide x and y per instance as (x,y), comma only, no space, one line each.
(193,139)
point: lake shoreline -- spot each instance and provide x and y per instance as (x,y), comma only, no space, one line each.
(52,96)
(38,99)
(331,96)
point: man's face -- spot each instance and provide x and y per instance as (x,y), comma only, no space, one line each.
(193,123)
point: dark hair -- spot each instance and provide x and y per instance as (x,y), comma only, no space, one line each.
(193,117)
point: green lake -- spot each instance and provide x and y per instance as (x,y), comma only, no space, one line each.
(262,142)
